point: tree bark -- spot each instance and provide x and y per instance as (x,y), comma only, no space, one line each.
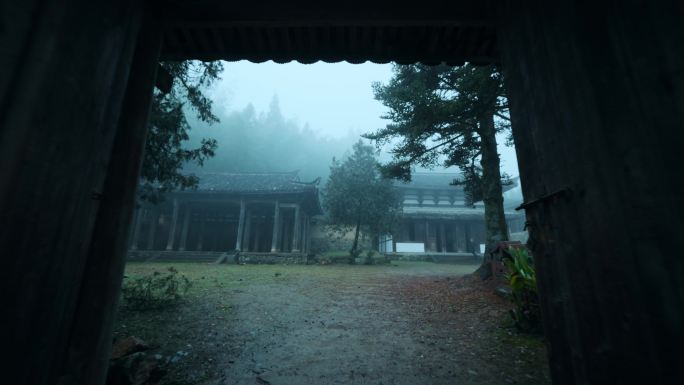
(353,252)
(492,192)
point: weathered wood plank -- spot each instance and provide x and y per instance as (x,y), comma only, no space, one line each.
(596,96)
(90,344)
(58,123)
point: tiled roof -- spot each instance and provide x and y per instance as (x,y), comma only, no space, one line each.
(428,180)
(281,182)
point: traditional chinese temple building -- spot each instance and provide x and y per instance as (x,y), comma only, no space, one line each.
(253,213)
(436,220)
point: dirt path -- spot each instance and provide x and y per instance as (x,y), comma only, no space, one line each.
(360,327)
(406,323)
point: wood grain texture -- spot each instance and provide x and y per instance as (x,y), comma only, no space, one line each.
(58,124)
(596,101)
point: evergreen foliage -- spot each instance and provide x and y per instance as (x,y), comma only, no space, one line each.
(357,196)
(166,149)
(449,116)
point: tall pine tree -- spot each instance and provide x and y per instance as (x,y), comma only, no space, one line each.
(446,115)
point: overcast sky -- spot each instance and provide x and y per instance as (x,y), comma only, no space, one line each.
(332,98)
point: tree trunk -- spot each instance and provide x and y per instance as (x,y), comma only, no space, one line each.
(492,194)
(354,252)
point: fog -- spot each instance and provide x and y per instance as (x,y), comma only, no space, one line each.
(284,117)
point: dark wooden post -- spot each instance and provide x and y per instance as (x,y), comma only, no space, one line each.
(285,229)
(241,226)
(172,226)
(248,231)
(427,236)
(185,228)
(66,67)
(466,233)
(597,103)
(305,232)
(276,228)
(89,353)
(259,226)
(442,237)
(200,235)
(296,230)
(307,241)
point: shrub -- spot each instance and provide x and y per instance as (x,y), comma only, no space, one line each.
(523,280)
(369,257)
(156,290)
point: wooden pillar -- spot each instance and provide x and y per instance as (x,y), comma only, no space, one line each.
(466,232)
(442,237)
(259,225)
(248,231)
(137,220)
(154,219)
(200,235)
(276,228)
(185,228)
(597,110)
(241,226)
(285,229)
(305,220)
(92,334)
(74,95)
(172,227)
(307,244)
(427,236)
(296,230)
(456,235)
(305,230)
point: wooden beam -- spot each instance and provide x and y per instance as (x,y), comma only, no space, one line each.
(274,12)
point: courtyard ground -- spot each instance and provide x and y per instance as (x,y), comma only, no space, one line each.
(404,323)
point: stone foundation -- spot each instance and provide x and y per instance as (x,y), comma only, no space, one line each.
(435,257)
(273,258)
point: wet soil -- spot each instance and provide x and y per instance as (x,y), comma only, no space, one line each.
(406,323)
